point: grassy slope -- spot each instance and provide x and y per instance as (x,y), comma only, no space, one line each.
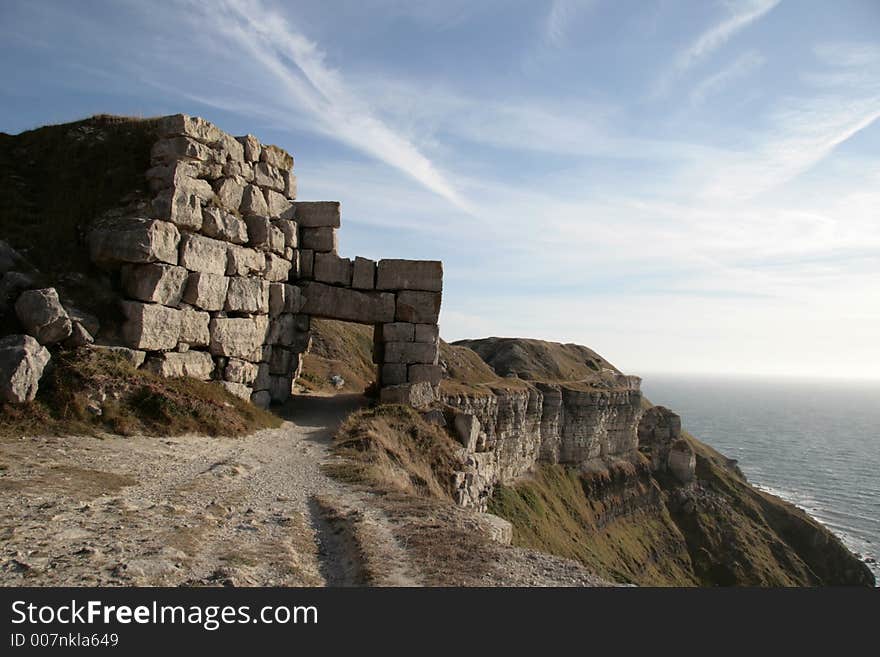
(341,348)
(137,403)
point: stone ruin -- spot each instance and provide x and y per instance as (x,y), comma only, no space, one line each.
(223,270)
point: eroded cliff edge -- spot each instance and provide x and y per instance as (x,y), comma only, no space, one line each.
(564,446)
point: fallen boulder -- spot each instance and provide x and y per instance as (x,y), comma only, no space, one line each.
(42,315)
(22,361)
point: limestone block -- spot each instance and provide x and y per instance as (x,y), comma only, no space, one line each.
(284,298)
(206,291)
(247,295)
(279,206)
(194,327)
(252,147)
(237,337)
(427,333)
(41,314)
(154,282)
(263,380)
(277,268)
(364,274)
(180,207)
(393,374)
(231,148)
(261,398)
(306,263)
(150,326)
(133,357)
(242,261)
(236,169)
(289,183)
(318,214)
(398,332)
(425,275)
(263,235)
(467,429)
(223,225)
(79,337)
(411,352)
(166,175)
(682,461)
(279,389)
(348,305)
(417,395)
(418,307)
(281,361)
(190,126)
(135,240)
(497,529)
(229,192)
(203,254)
(319,239)
(277,157)
(282,330)
(180,147)
(194,364)
(22,361)
(240,371)
(433,374)
(330,268)
(253,201)
(288,229)
(265,175)
(239,390)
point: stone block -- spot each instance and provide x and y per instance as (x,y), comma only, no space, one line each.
(289,183)
(179,206)
(427,333)
(348,305)
(190,126)
(263,379)
(239,390)
(364,274)
(194,364)
(166,175)
(280,388)
(41,314)
(231,148)
(282,330)
(279,206)
(284,298)
(281,361)
(150,326)
(433,374)
(319,239)
(206,291)
(277,157)
(424,275)
(277,268)
(265,175)
(229,192)
(418,307)
(467,429)
(252,147)
(203,254)
(22,362)
(154,282)
(417,395)
(411,352)
(330,268)
(177,147)
(253,201)
(289,230)
(194,327)
(240,371)
(135,240)
(306,263)
(242,261)
(79,337)
(241,170)
(398,332)
(263,235)
(393,374)
(318,214)
(237,337)
(247,295)
(223,225)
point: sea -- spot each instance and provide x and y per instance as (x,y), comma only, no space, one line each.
(815,444)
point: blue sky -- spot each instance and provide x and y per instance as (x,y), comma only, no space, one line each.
(683,186)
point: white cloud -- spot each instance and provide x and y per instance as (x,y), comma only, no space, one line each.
(745,13)
(739,68)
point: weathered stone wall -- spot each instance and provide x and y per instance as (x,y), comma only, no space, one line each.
(225,269)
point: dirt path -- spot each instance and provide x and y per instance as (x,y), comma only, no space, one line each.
(190,510)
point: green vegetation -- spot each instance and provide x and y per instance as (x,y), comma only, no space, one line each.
(131,402)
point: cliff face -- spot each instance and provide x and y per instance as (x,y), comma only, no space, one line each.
(589,469)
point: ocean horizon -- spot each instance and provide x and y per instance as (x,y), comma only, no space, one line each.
(813,443)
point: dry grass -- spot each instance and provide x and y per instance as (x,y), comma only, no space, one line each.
(338,348)
(135,402)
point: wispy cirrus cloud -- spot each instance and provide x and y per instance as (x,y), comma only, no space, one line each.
(309,84)
(739,68)
(744,14)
